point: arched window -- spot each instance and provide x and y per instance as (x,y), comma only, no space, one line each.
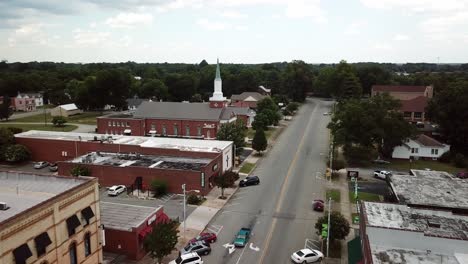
(72,253)
(87,244)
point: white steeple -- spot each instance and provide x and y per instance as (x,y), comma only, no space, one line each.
(218,87)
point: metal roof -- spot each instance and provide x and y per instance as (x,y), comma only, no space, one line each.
(125,216)
(178,111)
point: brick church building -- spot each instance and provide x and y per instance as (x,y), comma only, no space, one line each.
(177,119)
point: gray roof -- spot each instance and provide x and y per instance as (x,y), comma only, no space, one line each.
(135,101)
(178,111)
(431,189)
(229,111)
(125,216)
(23,190)
(244,95)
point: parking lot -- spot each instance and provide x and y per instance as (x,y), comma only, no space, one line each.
(26,166)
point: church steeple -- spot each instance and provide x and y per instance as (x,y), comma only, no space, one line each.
(218,100)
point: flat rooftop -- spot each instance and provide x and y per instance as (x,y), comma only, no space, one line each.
(145,161)
(429,222)
(430,188)
(384,255)
(22,190)
(182,144)
(124,216)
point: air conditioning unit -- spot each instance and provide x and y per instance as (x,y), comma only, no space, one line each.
(3,206)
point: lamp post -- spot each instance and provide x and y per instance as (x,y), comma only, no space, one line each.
(185,202)
(329,227)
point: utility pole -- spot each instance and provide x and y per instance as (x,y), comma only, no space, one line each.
(329,227)
(183,188)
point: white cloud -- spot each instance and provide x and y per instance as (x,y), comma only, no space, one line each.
(233,14)
(417,5)
(210,25)
(355,28)
(306,8)
(29,34)
(241,28)
(383,46)
(446,23)
(401,37)
(129,20)
(89,37)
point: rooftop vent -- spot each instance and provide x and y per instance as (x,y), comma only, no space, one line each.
(3,206)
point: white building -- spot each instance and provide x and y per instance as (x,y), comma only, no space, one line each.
(421,147)
(65,110)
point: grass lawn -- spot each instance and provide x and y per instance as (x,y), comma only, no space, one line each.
(247,167)
(88,118)
(335,195)
(404,165)
(26,127)
(364,196)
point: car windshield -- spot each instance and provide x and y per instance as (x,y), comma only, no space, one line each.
(187,247)
(300,253)
(178,260)
(241,236)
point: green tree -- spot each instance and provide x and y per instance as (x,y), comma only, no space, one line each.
(16,153)
(80,170)
(162,240)
(203,63)
(5,109)
(350,87)
(226,180)
(323,83)
(371,75)
(6,137)
(267,107)
(112,88)
(261,121)
(259,142)
(196,98)
(59,121)
(159,187)
(297,80)
(449,109)
(234,131)
(292,107)
(154,88)
(339,226)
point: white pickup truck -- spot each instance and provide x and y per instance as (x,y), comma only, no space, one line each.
(381,174)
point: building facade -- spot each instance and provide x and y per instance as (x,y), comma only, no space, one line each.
(65,110)
(50,219)
(422,147)
(246,99)
(22,102)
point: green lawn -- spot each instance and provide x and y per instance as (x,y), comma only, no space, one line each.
(334,194)
(247,167)
(26,127)
(405,165)
(88,118)
(364,196)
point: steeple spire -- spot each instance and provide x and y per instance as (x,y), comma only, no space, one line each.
(218,72)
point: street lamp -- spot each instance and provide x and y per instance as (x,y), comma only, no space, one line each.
(185,202)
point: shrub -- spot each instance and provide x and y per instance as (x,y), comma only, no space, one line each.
(194,199)
(59,120)
(80,171)
(460,161)
(358,155)
(159,187)
(338,164)
(446,157)
(16,153)
(15,130)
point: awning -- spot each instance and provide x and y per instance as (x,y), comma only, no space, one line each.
(72,223)
(22,253)
(142,234)
(87,213)
(127,131)
(42,241)
(354,251)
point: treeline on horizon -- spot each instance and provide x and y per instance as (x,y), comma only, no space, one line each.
(94,85)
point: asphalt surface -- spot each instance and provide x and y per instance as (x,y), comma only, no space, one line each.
(279,210)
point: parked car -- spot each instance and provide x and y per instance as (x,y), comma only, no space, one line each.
(53,167)
(116,190)
(205,237)
(242,237)
(249,180)
(326,113)
(318,205)
(381,174)
(189,258)
(307,256)
(41,164)
(462,175)
(381,161)
(200,247)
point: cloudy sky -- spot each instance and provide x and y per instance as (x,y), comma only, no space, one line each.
(238,31)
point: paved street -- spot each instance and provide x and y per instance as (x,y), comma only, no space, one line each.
(279,209)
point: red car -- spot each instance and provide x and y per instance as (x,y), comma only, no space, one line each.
(205,237)
(318,205)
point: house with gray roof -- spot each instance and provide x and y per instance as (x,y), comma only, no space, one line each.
(421,147)
(246,99)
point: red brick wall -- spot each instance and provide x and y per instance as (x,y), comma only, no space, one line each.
(61,150)
(136,125)
(110,175)
(181,124)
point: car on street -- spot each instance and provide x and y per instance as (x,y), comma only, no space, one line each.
(249,180)
(189,258)
(307,255)
(116,190)
(318,205)
(200,247)
(53,167)
(205,237)
(381,174)
(41,164)
(242,237)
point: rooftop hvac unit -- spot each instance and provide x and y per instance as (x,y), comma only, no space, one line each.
(3,206)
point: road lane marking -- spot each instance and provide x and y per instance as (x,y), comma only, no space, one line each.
(283,189)
(242,253)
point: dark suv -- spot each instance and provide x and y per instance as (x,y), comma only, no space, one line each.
(249,180)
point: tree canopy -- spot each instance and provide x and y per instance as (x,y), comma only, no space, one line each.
(234,131)
(162,240)
(259,142)
(339,226)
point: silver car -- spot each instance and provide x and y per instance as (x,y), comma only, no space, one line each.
(41,164)
(199,247)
